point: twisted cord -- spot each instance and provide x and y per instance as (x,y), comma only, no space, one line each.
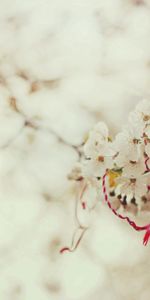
(130,222)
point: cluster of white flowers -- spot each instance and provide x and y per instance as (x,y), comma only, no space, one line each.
(125,159)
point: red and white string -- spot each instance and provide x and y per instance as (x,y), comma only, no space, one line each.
(130,222)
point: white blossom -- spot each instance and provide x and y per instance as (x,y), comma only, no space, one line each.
(127,147)
(147,131)
(97,165)
(147,149)
(136,125)
(97,139)
(133,169)
(128,155)
(143,108)
(135,187)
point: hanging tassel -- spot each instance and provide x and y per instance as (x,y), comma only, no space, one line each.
(146,236)
(75,242)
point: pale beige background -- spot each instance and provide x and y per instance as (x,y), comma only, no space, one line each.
(64,65)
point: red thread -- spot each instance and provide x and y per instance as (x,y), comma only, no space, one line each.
(147,167)
(64,250)
(83,205)
(131,223)
(147,236)
(75,244)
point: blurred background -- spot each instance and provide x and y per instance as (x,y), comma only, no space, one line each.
(65,65)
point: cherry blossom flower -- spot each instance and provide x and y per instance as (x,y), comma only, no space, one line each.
(129,152)
(147,149)
(135,187)
(133,169)
(97,167)
(98,152)
(126,146)
(98,137)
(136,125)
(143,108)
(146,134)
